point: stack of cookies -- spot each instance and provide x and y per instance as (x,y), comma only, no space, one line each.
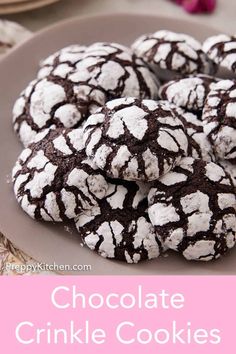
(136,147)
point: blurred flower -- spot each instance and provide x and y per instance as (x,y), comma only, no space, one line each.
(196,6)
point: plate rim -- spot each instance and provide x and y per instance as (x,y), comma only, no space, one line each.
(84,18)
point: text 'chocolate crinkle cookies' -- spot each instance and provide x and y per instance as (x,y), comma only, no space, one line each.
(119,227)
(188,92)
(176,53)
(222,50)
(199,146)
(219,118)
(54,180)
(135,139)
(75,81)
(193,210)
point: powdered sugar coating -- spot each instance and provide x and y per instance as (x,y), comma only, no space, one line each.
(53,178)
(199,146)
(114,69)
(73,85)
(219,118)
(175,52)
(135,139)
(53,102)
(188,92)
(193,210)
(119,227)
(222,50)
(66,57)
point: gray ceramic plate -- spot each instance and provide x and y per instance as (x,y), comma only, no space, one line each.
(51,243)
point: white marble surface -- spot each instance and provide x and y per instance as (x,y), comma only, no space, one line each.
(222,19)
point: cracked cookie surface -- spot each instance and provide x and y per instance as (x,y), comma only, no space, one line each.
(193,210)
(66,58)
(219,118)
(53,178)
(222,50)
(188,92)
(119,227)
(135,139)
(75,88)
(176,52)
(199,146)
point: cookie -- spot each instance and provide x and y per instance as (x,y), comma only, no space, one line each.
(199,146)
(66,57)
(222,50)
(54,101)
(115,70)
(230,169)
(11,33)
(71,93)
(119,228)
(219,118)
(54,180)
(134,139)
(188,92)
(170,53)
(193,210)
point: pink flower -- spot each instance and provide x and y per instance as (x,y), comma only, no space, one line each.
(196,6)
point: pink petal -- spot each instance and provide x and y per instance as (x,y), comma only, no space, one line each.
(192,5)
(208,5)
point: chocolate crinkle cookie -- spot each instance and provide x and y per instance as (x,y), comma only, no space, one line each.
(66,58)
(54,101)
(193,210)
(219,118)
(188,92)
(199,146)
(111,67)
(173,53)
(115,70)
(53,179)
(11,33)
(222,50)
(119,228)
(71,92)
(135,139)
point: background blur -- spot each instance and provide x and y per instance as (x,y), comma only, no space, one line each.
(223,18)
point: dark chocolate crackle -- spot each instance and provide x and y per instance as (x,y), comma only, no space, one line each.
(193,210)
(176,52)
(199,146)
(53,102)
(221,49)
(64,59)
(119,227)
(134,139)
(53,178)
(68,92)
(189,92)
(219,118)
(116,70)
